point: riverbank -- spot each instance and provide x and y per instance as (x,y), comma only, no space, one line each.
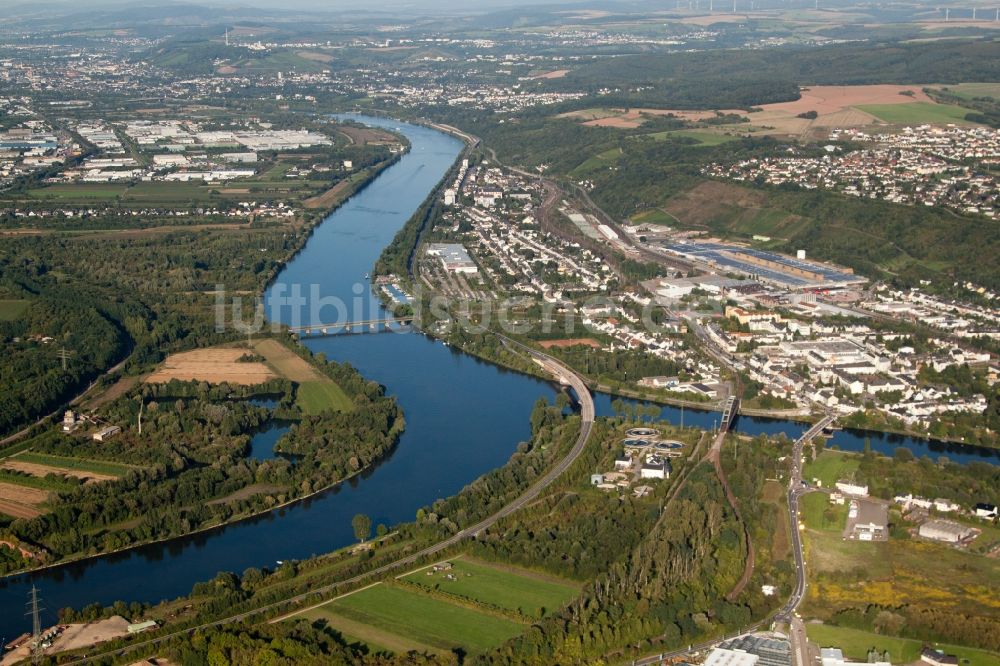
(452,400)
(773,415)
(395,431)
(308,224)
(343,248)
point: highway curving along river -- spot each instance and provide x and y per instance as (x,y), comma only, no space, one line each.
(463,416)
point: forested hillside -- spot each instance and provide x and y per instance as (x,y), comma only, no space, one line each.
(85,324)
(100,297)
(725,79)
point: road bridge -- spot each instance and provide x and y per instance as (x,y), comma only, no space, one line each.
(797,633)
(374,325)
(796,490)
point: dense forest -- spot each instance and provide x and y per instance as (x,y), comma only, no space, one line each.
(743,79)
(85,324)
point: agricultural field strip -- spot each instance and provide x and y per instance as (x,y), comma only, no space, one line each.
(18,510)
(22,494)
(214,365)
(504,587)
(316,391)
(101,467)
(426,619)
(40,470)
(375,639)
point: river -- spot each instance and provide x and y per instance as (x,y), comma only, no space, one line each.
(464,417)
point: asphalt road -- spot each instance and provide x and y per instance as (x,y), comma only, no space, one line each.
(786,613)
(587,413)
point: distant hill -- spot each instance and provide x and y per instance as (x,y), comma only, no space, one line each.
(721,79)
(194,58)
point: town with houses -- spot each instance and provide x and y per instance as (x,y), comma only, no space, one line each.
(773,319)
(815,339)
(813,335)
(952,166)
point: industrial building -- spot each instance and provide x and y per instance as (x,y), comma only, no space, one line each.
(655,468)
(770,267)
(771,651)
(724,657)
(851,488)
(870,521)
(453,257)
(835,657)
(945,530)
(104,434)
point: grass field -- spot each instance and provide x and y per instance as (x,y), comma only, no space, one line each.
(169,192)
(317,396)
(654,216)
(532,594)
(395,616)
(81,464)
(774,493)
(179,193)
(78,191)
(599,161)
(13,309)
(819,514)
(831,466)
(973,90)
(856,643)
(896,573)
(703,138)
(375,639)
(316,392)
(916,113)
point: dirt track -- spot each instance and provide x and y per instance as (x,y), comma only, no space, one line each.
(84,635)
(554,74)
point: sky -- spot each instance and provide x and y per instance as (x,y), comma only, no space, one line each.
(320,5)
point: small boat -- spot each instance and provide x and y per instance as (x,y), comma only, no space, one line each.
(366,276)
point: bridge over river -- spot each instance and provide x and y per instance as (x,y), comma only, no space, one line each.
(373,325)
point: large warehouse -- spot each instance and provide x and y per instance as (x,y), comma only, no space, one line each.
(945,530)
(453,257)
(770,267)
